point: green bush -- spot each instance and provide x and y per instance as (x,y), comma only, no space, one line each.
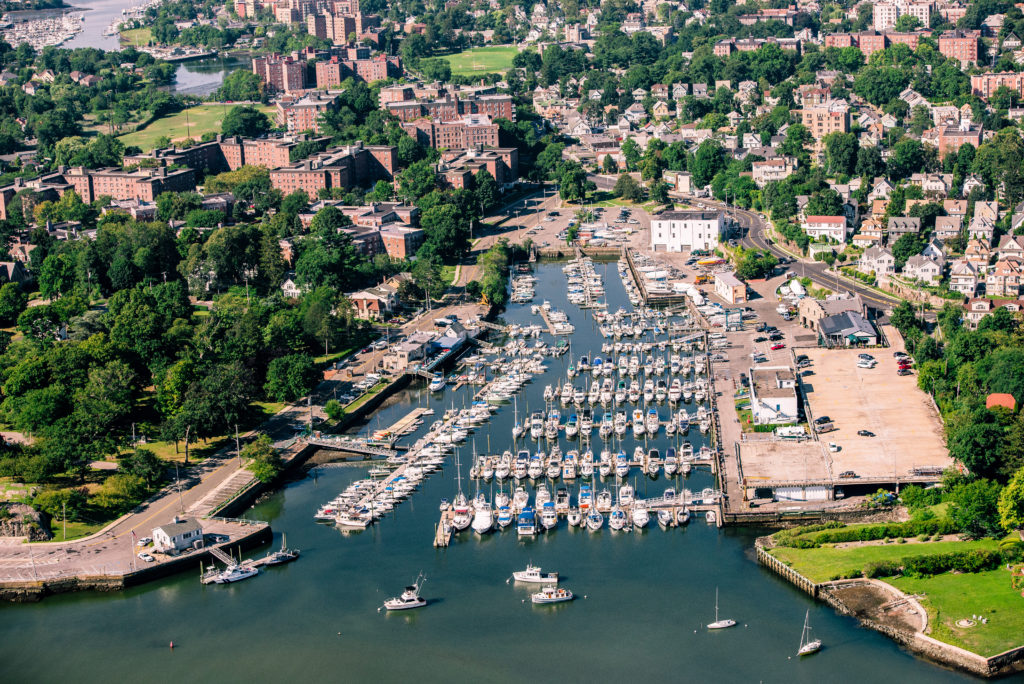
(975,560)
(882,569)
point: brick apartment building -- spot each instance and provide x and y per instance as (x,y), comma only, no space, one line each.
(228,153)
(983,85)
(281,74)
(340,167)
(826,118)
(472,130)
(450,108)
(303,113)
(458,166)
(870,42)
(960,45)
(952,137)
(330,73)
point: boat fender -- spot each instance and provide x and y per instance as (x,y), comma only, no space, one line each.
(172,645)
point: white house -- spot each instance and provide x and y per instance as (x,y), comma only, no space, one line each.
(671,231)
(920,267)
(290,289)
(833,227)
(730,288)
(773,395)
(878,260)
(180,534)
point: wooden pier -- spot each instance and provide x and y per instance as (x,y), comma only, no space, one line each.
(444,529)
(405,424)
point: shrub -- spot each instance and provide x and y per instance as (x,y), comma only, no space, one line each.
(882,569)
(975,560)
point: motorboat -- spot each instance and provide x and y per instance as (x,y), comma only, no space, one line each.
(620,423)
(533,575)
(236,572)
(574,517)
(671,462)
(570,465)
(653,421)
(536,466)
(552,594)
(638,423)
(483,519)
(585,499)
(437,383)
(648,392)
(572,427)
(653,462)
(548,515)
(504,467)
(603,502)
(462,518)
(586,422)
(562,499)
(626,494)
(504,516)
(526,524)
(537,425)
(520,499)
(621,464)
(665,519)
(587,465)
(409,599)
(607,426)
(641,517)
(620,392)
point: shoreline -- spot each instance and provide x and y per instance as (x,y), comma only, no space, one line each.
(868,599)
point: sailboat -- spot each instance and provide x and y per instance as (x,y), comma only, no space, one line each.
(723,623)
(807,645)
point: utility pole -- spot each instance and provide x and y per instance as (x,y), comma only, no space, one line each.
(238,449)
(64,514)
(177,483)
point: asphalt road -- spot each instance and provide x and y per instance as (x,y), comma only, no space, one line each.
(755,236)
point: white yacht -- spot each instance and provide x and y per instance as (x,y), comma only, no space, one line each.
(617,518)
(723,622)
(641,516)
(574,517)
(236,572)
(437,383)
(595,520)
(552,595)
(483,518)
(548,515)
(808,645)
(638,423)
(409,599)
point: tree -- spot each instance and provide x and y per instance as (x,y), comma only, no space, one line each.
(628,189)
(486,190)
(631,153)
(417,180)
(707,161)
(974,508)
(826,202)
(447,232)
(907,158)
(473,289)
(290,377)
(334,409)
(755,264)
(57,276)
(841,151)
(426,274)
(1011,503)
(906,246)
(608,165)
(12,302)
(143,463)
(436,69)
(574,185)
(869,162)
(241,86)
(245,120)
(659,192)
(977,445)
(263,460)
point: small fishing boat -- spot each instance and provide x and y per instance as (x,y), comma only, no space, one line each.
(533,575)
(552,595)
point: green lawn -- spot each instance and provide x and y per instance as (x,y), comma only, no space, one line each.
(483,60)
(949,597)
(192,122)
(136,37)
(448,274)
(826,562)
(75,529)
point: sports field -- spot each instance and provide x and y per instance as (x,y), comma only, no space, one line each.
(483,60)
(136,37)
(192,122)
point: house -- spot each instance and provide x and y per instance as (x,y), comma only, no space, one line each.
(847,329)
(978,308)
(811,311)
(948,227)
(290,290)
(831,227)
(981,228)
(877,260)
(660,109)
(374,303)
(902,225)
(1010,246)
(937,184)
(881,190)
(970,183)
(954,207)
(920,267)
(635,113)
(730,288)
(180,534)
(963,277)
(979,254)
(879,207)
(695,230)
(773,395)
(1004,278)
(987,210)
(935,250)
(764,172)
(14,272)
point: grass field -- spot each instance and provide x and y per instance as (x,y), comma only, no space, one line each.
(136,37)
(949,598)
(200,119)
(75,529)
(826,562)
(483,60)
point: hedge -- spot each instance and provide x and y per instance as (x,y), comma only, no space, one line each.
(838,533)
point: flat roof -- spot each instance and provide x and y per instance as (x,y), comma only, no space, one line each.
(766,381)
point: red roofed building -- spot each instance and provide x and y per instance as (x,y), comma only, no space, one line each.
(1001,399)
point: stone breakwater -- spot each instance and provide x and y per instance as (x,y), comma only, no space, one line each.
(884,608)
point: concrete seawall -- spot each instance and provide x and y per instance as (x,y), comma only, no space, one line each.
(917,642)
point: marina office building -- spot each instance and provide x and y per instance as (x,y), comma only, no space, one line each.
(773,395)
(671,231)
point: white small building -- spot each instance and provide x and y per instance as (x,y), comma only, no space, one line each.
(730,288)
(671,231)
(180,534)
(773,395)
(832,227)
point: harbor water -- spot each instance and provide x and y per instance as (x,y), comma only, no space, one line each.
(643,598)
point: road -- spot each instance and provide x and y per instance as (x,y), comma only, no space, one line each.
(755,236)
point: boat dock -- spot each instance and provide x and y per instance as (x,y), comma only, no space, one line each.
(443,531)
(407,423)
(547,321)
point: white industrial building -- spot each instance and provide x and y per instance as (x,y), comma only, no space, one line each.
(674,231)
(773,395)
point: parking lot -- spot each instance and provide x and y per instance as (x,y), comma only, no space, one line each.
(906,429)
(548,228)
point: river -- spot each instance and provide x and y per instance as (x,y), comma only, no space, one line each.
(645,596)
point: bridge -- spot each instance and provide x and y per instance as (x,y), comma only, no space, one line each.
(356,446)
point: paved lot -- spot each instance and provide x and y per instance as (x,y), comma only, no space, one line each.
(908,433)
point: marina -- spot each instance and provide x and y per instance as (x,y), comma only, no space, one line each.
(627,577)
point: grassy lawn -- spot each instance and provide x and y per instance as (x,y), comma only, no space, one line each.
(200,450)
(136,37)
(200,119)
(949,598)
(448,274)
(75,529)
(483,60)
(824,563)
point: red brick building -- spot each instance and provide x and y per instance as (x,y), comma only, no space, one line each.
(450,108)
(473,130)
(341,167)
(983,85)
(458,166)
(960,45)
(331,73)
(303,113)
(281,74)
(952,137)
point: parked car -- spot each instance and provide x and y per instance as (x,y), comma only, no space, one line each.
(760,338)
(776,336)
(778,346)
(145,541)
(865,433)
(146,557)
(833,447)
(820,420)
(847,474)
(866,357)
(904,371)
(864,363)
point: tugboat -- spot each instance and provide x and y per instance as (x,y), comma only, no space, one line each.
(409,599)
(552,594)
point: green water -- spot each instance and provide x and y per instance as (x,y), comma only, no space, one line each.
(647,596)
